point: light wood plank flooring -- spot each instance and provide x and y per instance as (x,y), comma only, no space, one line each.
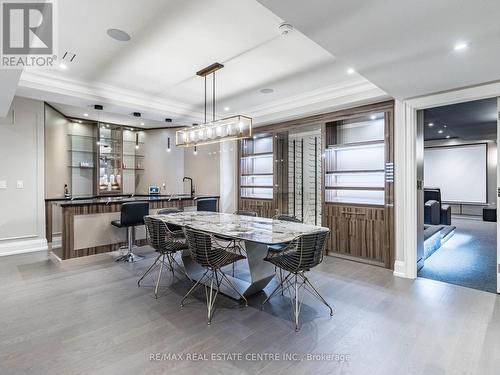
(93,319)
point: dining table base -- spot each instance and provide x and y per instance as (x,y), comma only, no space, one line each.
(260,271)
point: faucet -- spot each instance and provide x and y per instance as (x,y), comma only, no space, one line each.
(191,184)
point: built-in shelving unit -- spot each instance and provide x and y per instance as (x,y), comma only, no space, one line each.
(256,168)
(355,160)
(257,175)
(81,157)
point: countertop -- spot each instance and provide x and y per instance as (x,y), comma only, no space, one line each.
(79,201)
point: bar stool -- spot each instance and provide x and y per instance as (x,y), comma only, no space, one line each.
(207,204)
(131,215)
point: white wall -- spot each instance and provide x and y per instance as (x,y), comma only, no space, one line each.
(57,158)
(161,167)
(22,225)
(228,177)
(203,168)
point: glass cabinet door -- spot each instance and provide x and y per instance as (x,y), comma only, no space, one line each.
(110,153)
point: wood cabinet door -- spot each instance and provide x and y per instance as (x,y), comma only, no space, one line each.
(263,207)
(338,222)
(367,234)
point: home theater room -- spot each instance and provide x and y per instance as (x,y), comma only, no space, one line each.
(460,174)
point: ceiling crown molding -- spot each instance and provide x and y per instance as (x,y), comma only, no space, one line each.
(49,87)
(97,92)
(352,92)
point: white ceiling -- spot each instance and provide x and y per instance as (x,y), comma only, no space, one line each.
(404,47)
(154,73)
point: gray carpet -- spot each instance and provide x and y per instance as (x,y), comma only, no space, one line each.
(468,258)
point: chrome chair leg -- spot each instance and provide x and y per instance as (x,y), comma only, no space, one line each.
(232,286)
(316,293)
(159,276)
(211,297)
(193,288)
(279,287)
(155,263)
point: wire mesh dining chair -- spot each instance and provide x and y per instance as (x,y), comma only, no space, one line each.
(246,213)
(167,243)
(211,255)
(286,217)
(301,255)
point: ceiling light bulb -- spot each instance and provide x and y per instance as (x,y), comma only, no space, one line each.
(142,124)
(460,46)
(136,147)
(168,149)
(63,66)
(350,71)
(373,117)
(440,131)
(447,137)
(226,109)
(86,114)
(431,124)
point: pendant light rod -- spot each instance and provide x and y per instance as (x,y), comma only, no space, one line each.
(205,99)
(213,97)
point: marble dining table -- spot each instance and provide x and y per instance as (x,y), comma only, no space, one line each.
(256,233)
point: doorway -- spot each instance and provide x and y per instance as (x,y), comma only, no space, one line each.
(457,195)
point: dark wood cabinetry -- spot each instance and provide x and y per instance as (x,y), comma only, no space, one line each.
(358,232)
(356,183)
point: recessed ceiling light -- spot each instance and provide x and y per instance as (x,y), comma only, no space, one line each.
(447,137)
(431,124)
(460,46)
(445,126)
(86,114)
(373,117)
(63,66)
(266,91)
(118,34)
(440,131)
(226,109)
(350,71)
(142,124)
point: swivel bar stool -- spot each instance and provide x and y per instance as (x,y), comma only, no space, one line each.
(132,215)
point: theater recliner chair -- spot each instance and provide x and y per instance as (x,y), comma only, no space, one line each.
(435,212)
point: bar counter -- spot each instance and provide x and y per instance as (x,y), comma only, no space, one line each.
(84,223)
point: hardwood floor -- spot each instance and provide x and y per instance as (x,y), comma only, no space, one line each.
(92,318)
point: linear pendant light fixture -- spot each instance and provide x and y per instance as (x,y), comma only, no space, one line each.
(230,128)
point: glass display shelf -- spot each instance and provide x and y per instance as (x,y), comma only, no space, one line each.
(257,192)
(354,145)
(105,139)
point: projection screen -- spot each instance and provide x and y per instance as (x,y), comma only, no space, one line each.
(460,172)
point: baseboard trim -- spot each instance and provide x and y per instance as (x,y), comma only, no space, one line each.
(400,269)
(21,247)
